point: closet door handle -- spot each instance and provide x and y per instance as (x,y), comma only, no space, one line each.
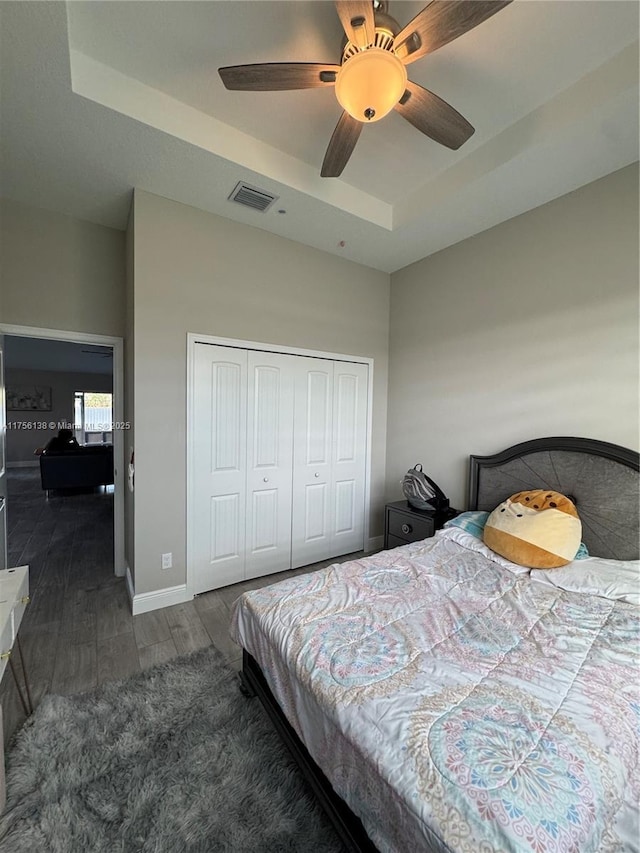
(265,479)
(316,474)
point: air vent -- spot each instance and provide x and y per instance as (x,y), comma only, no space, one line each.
(252,197)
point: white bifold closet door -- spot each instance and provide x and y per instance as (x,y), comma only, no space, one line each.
(279,449)
(220,453)
(269,464)
(329,459)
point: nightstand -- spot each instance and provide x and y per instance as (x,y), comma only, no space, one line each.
(404,523)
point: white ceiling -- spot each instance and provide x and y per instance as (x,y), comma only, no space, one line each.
(100,97)
(22,353)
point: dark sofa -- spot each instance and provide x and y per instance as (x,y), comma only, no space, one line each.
(80,467)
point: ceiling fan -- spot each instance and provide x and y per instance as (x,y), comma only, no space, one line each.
(101,353)
(372,79)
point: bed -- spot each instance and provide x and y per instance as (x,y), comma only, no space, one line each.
(440,698)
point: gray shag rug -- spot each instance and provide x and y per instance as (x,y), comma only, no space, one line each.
(172,760)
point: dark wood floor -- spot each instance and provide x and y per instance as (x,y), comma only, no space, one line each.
(78,631)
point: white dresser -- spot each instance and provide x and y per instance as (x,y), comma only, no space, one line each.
(14,597)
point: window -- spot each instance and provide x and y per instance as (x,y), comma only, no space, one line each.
(93,417)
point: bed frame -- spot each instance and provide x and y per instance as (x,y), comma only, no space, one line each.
(602,479)
(346,824)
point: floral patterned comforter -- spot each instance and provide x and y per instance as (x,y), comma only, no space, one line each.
(454,702)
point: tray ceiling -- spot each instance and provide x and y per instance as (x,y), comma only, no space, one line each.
(100,97)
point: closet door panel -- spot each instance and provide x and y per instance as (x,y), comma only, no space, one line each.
(349,456)
(264,517)
(269,463)
(312,451)
(345,514)
(224,540)
(220,471)
(316,393)
(315,519)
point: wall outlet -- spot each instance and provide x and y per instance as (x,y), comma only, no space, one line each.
(167,561)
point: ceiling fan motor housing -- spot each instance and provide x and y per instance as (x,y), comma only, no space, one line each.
(387,28)
(372,79)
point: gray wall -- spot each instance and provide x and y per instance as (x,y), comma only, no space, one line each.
(196,272)
(529,329)
(58,272)
(22,441)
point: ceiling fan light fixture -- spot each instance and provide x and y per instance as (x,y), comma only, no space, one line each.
(370,84)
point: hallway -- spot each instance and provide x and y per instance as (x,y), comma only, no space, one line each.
(67,541)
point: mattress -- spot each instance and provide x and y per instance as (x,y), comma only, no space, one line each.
(455,703)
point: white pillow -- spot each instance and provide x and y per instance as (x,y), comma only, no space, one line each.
(618,580)
(473,543)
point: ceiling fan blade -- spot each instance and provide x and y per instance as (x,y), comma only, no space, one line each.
(357,20)
(278,76)
(341,146)
(433,116)
(440,22)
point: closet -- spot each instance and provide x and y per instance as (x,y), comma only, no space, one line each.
(279,450)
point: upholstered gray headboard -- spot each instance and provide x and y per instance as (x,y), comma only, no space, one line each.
(602,479)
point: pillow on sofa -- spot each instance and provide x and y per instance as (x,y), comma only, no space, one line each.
(539,528)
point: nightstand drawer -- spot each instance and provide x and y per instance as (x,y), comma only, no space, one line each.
(394,542)
(410,528)
(404,523)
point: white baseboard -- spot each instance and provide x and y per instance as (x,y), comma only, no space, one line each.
(374,543)
(146,601)
(30,464)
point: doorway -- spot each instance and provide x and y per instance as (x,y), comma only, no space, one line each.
(94,348)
